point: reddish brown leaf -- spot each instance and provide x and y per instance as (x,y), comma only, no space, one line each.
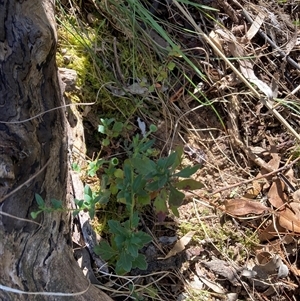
(290,218)
(239,207)
(276,194)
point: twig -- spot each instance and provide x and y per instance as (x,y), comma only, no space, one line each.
(266,38)
(256,178)
(117,62)
(266,101)
(25,183)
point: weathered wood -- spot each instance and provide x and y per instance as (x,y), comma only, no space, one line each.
(32,257)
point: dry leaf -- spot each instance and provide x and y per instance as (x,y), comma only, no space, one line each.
(290,218)
(268,233)
(276,195)
(254,28)
(240,207)
(180,244)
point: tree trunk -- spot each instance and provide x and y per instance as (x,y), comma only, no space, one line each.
(33,258)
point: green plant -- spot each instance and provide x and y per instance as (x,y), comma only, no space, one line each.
(125,245)
(140,178)
(56,205)
(112,129)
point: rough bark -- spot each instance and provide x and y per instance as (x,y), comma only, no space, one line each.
(32,257)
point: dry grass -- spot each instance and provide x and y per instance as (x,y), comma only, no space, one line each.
(215,83)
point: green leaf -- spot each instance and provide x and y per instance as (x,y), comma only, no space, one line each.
(118,127)
(120,240)
(143,237)
(39,201)
(105,251)
(135,219)
(143,200)
(57,204)
(35,214)
(76,167)
(101,129)
(158,184)
(189,184)
(87,190)
(106,142)
(125,261)
(176,197)
(79,203)
(140,262)
(133,250)
(174,210)
(171,66)
(115,227)
(153,128)
(179,154)
(144,165)
(92,212)
(187,171)
(104,196)
(119,173)
(160,202)
(170,160)
(88,199)
(138,183)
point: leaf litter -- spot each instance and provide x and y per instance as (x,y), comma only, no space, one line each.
(249,61)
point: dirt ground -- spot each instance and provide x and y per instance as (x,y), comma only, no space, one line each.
(240,233)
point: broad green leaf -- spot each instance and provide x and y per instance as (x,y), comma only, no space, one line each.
(187,171)
(176,197)
(147,145)
(115,227)
(39,201)
(170,160)
(101,129)
(179,154)
(92,212)
(135,220)
(88,199)
(138,183)
(160,202)
(105,251)
(120,240)
(117,127)
(113,189)
(189,184)
(76,167)
(144,165)
(104,196)
(140,262)
(106,142)
(79,203)
(174,210)
(125,261)
(171,66)
(143,200)
(143,237)
(158,184)
(127,172)
(88,190)
(133,250)
(119,173)
(57,204)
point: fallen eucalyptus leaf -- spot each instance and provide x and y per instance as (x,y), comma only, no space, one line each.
(240,207)
(180,244)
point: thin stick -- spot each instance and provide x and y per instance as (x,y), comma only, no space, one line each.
(26,182)
(256,178)
(264,100)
